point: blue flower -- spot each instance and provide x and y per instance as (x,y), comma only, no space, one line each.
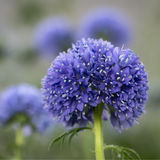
(24,103)
(53,35)
(106,24)
(94,72)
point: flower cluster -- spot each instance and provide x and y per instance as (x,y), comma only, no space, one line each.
(94,72)
(108,25)
(24,101)
(53,35)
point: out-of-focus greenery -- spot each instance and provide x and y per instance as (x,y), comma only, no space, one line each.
(29,11)
(22,64)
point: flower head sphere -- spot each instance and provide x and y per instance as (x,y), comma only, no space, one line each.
(23,104)
(53,35)
(95,72)
(106,24)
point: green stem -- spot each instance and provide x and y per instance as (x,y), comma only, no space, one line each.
(98,132)
(19,142)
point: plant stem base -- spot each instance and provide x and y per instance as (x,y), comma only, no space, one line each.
(98,132)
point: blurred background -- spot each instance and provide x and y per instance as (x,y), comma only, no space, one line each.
(22,60)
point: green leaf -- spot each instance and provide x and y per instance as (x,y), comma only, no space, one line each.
(122,152)
(71,136)
(2,156)
(71,132)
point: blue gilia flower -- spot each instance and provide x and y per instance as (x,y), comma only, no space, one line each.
(23,104)
(53,35)
(108,25)
(94,72)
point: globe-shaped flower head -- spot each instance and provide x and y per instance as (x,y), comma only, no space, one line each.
(53,35)
(106,24)
(94,72)
(23,104)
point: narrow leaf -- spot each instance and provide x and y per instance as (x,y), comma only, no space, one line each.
(132,152)
(71,132)
(113,154)
(55,140)
(123,153)
(127,155)
(70,138)
(62,140)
